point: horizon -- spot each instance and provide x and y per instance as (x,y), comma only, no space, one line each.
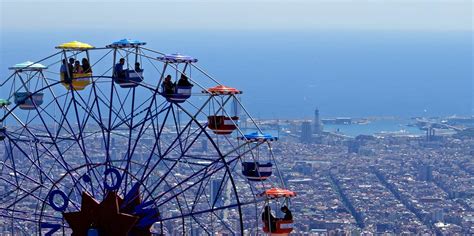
(436,62)
(260,14)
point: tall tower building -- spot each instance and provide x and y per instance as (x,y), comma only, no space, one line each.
(425,172)
(317,127)
(353,146)
(215,194)
(306,132)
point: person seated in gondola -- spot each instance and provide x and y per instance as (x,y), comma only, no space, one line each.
(65,72)
(118,70)
(137,67)
(71,65)
(288,216)
(268,219)
(78,68)
(184,81)
(168,86)
(86,67)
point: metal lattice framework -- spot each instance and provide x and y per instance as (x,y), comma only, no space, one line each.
(64,136)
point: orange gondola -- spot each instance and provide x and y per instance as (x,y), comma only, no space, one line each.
(222,124)
(277,226)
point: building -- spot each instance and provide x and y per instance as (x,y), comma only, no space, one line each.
(353,146)
(306,132)
(215,195)
(204,145)
(425,173)
(317,125)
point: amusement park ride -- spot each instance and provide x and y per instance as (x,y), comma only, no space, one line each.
(98,149)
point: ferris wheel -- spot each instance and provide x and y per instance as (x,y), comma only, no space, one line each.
(126,140)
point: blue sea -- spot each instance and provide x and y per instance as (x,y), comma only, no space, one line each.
(287,74)
(377,126)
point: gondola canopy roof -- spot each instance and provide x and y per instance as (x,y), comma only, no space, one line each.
(75,45)
(28,65)
(177,58)
(126,43)
(277,193)
(258,136)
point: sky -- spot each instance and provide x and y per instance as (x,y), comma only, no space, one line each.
(365,57)
(426,15)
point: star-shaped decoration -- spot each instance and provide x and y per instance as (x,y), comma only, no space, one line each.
(105,217)
(132,204)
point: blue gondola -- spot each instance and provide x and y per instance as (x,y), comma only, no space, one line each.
(24,99)
(28,100)
(182,93)
(132,79)
(254,171)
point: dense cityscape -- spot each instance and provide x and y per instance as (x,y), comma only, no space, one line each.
(387,183)
(384,184)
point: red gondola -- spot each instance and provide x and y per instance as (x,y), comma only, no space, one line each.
(222,124)
(283,228)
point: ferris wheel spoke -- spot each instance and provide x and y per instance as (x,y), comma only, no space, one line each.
(109,120)
(100,123)
(25,176)
(142,131)
(130,132)
(139,111)
(63,163)
(140,134)
(177,197)
(63,115)
(193,177)
(29,158)
(17,183)
(64,120)
(27,193)
(23,213)
(161,156)
(176,122)
(104,100)
(210,210)
(156,145)
(80,139)
(121,115)
(87,108)
(150,117)
(167,151)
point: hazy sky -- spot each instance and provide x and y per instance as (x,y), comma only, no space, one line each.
(431,15)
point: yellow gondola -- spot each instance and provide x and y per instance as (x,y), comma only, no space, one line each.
(79,81)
